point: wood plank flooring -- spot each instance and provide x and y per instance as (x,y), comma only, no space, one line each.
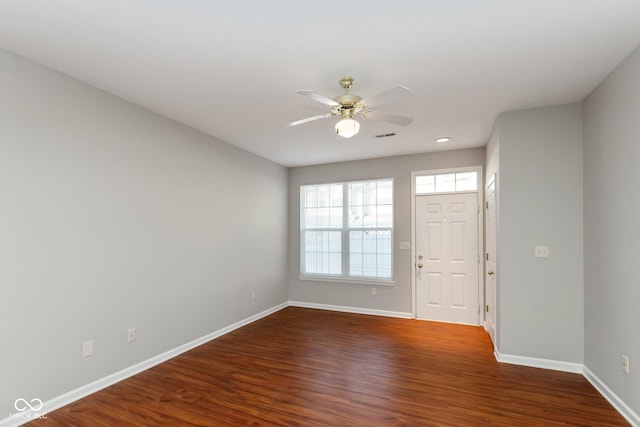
(305,367)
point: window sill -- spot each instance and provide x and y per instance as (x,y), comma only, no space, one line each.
(349,280)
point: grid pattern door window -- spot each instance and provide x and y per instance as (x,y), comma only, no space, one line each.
(447,182)
(347,229)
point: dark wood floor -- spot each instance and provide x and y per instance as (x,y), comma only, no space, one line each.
(304,367)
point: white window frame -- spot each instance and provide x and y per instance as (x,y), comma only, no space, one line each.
(344,277)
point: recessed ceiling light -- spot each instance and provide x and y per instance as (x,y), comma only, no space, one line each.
(443,139)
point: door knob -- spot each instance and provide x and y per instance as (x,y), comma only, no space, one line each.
(491,273)
(420,265)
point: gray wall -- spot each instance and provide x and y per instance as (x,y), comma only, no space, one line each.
(540,300)
(612,229)
(112,217)
(389,298)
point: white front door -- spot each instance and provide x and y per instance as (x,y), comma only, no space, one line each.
(447,259)
(490,263)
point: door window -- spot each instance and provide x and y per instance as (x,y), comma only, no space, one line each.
(447,182)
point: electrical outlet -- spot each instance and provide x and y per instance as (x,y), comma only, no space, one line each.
(131,335)
(253,296)
(625,364)
(374,292)
(87,348)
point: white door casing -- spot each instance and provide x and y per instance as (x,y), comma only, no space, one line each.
(447,258)
(490,260)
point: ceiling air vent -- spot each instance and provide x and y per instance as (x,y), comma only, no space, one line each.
(385,135)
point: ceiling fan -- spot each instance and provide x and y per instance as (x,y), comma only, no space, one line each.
(348,106)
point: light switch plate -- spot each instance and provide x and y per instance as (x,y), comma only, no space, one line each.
(542,251)
(405,245)
(87,348)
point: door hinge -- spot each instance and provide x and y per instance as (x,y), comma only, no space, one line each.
(486,204)
(487,308)
(487,256)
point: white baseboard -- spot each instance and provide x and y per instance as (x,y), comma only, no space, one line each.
(578,368)
(355,310)
(85,390)
(80,392)
(534,362)
(612,398)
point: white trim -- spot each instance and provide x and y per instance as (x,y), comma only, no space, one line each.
(414,309)
(495,341)
(612,398)
(341,279)
(480,192)
(87,389)
(534,362)
(576,368)
(356,310)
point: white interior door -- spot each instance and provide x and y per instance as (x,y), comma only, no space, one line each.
(490,260)
(447,259)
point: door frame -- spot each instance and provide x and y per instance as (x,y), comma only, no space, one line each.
(493,179)
(480,193)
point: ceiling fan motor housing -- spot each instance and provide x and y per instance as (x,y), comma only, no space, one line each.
(349,105)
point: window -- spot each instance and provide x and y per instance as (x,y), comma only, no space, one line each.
(347,230)
(447,182)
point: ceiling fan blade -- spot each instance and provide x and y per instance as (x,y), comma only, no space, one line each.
(310,119)
(389,118)
(397,93)
(317,97)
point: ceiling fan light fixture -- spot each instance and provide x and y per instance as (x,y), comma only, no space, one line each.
(347,127)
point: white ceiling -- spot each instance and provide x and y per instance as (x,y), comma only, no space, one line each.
(231,68)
